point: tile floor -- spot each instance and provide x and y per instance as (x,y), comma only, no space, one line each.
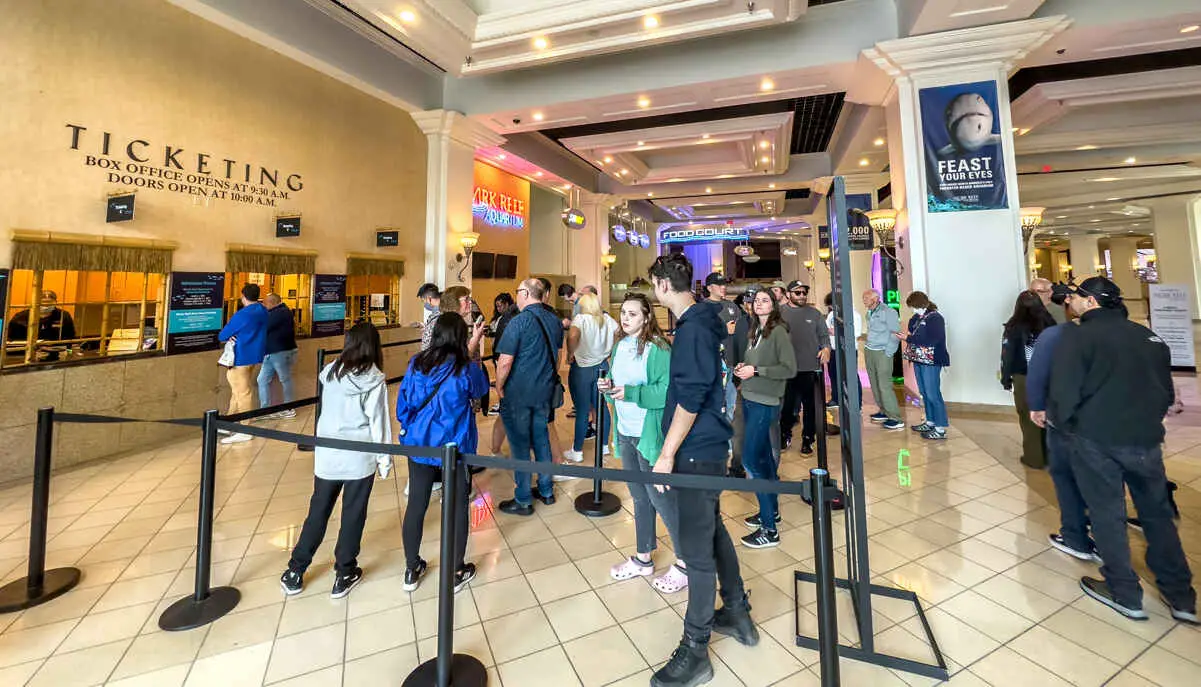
(966,530)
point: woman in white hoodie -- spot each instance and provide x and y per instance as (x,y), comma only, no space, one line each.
(354,407)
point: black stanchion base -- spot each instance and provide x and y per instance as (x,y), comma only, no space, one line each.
(17,596)
(465,671)
(608,504)
(187,613)
(837,501)
(307,448)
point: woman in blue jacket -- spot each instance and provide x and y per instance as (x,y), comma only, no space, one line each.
(927,350)
(434,407)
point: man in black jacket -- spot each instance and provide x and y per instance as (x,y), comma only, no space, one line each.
(1110,390)
(280,353)
(696,436)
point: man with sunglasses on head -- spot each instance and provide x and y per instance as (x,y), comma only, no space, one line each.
(1111,387)
(811,342)
(696,437)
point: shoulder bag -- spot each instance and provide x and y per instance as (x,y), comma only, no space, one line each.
(922,355)
(557,393)
(430,397)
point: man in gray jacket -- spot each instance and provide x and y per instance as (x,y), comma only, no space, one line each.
(883,323)
(811,342)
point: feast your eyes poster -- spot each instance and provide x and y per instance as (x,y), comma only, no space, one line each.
(961,130)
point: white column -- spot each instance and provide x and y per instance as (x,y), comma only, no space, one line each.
(450,175)
(1085,256)
(1122,252)
(1177,243)
(586,246)
(970,263)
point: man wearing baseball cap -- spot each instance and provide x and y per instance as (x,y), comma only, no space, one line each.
(811,342)
(1111,386)
(733,346)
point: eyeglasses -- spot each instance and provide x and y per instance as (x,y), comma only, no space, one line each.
(525,291)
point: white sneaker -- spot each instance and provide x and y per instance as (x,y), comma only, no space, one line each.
(286,415)
(236,438)
(573,456)
(562,478)
(605,452)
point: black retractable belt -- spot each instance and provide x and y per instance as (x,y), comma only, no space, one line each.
(598,503)
(40,585)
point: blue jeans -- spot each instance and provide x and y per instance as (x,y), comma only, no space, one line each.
(581,382)
(929,385)
(276,364)
(526,427)
(1073,518)
(758,457)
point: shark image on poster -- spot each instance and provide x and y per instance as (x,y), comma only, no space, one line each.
(965,166)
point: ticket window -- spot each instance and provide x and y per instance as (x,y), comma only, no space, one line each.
(295,290)
(373,298)
(80,314)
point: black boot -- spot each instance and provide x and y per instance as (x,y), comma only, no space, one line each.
(735,621)
(688,666)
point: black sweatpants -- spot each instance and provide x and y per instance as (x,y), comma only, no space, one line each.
(799,398)
(355,496)
(421,485)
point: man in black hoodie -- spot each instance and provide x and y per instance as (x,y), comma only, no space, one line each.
(1111,386)
(696,437)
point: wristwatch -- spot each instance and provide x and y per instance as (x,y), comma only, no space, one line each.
(755,373)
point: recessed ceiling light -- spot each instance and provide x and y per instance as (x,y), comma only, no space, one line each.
(1023,132)
(771,185)
(541,43)
(1061,216)
(1190,28)
(765,159)
(1016,129)
(864,162)
(1094,220)
(764,144)
(1130,160)
(600,162)
(566,187)
(624,172)
(644,102)
(1091,207)
(705,137)
(537,116)
(1106,179)
(650,194)
(537,174)
(608,159)
(1112,199)
(708,190)
(767,84)
(641,143)
(500,157)
(408,17)
(878,142)
(650,21)
(1086,147)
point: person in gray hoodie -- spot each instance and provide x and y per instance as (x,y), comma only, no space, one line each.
(354,406)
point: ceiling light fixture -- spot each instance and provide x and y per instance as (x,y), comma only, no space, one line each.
(641,143)
(537,174)
(708,190)
(1130,160)
(878,142)
(704,137)
(1086,147)
(537,116)
(767,84)
(644,102)
(540,43)
(765,159)
(771,185)
(500,157)
(408,17)
(764,144)
(566,187)
(650,194)
(863,162)
(650,21)
(1190,28)
(608,159)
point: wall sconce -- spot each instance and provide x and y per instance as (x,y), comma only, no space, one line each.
(823,254)
(883,222)
(468,241)
(808,266)
(1037,265)
(607,259)
(1031,219)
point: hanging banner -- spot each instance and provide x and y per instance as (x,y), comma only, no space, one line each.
(329,304)
(195,313)
(859,230)
(1172,321)
(965,167)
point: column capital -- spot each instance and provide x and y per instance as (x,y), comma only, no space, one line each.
(999,46)
(458,127)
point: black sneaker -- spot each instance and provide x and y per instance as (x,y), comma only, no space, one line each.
(753,522)
(806,448)
(935,434)
(761,539)
(1181,614)
(1172,499)
(1060,545)
(877,418)
(736,624)
(922,428)
(344,583)
(786,443)
(464,575)
(1134,524)
(1099,591)
(513,508)
(590,433)
(688,666)
(547,499)
(292,582)
(413,575)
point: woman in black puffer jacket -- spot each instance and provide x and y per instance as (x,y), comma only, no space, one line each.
(1030,318)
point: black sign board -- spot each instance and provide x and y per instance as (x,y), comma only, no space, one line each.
(287,227)
(120,208)
(387,239)
(195,313)
(329,304)
(859,229)
(823,237)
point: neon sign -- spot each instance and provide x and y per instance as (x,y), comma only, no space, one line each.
(704,234)
(498,209)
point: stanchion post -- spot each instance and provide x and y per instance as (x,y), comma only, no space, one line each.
(449,668)
(317,407)
(819,401)
(204,605)
(39,585)
(823,547)
(598,503)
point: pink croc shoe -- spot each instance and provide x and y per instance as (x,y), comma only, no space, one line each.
(672,581)
(631,568)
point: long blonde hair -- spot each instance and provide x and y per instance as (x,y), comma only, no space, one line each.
(590,305)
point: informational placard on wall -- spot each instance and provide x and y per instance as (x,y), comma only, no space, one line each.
(1172,321)
(961,128)
(195,314)
(329,304)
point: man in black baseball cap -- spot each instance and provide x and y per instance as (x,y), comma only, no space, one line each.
(733,346)
(1111,386)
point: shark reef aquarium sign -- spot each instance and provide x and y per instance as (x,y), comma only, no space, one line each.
(142,164)
(498,209)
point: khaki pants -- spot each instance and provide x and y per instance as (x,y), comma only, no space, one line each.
(241,383)
(879,374)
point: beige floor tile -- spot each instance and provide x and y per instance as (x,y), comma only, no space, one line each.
(375,594)
(240,667)
(1019,598)
(1006,667)
(385,668)
(374,633)
(539,556)
(1066,659)
(577,616)
(19,674)
(502,598)
(306,613)
(556,583)
(656,635)
(326,677)
(1184,641)
(1053,584)
(66,607)
(956,568)
(90,666)
(104,628)
(1126,678)
(305,652)
(519,634)
(1096,635)
(1166,669)
(631,599)
(1150,630)
(38,642)
(927,584)
(469,640)
(760,665)
(133,592)
(603,657)
(958,640)
(425,614)
(595,569)
(547,668)
(591,542)
(152,652)
(240,630)
(992,619)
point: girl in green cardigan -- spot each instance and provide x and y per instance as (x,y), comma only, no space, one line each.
(637,391)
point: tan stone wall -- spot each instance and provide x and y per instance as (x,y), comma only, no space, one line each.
(144,69)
